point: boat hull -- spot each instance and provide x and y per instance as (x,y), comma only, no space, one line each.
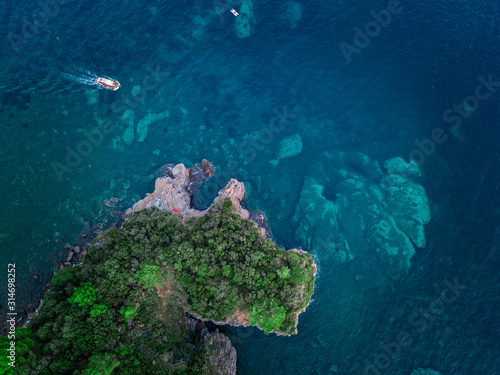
(108,83)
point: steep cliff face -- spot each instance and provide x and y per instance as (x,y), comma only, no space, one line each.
(174,191)
(220,354)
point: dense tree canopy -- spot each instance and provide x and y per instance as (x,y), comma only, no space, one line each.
(124,310)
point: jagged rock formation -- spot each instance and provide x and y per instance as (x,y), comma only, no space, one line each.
(174,191)
(220,354)
(141,296)
(350,209)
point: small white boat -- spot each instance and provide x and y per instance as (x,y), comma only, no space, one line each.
(234,12)
(108,83)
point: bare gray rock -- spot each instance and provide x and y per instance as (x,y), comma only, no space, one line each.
(220,354)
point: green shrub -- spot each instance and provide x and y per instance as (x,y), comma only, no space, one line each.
(97,310)
(268,315)
(128,312)
(24,344)
(283,272)
(84,296)
(101,365)
(150,276)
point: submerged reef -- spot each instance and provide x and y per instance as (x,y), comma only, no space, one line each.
(359,212)
(244,24)
(289,146)
(127,119)
(138,303)
(293,13)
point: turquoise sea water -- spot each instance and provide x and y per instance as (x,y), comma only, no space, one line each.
(218,89)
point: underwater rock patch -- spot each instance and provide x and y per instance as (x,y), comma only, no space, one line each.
(391,245)
(319,229)
(244,23)
(409,204)
(143,125)
(293,13)
(128,120)
(348,209)
(290,146)
(399,166)
(92,96)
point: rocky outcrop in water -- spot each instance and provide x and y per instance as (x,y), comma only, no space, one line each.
(175,190)
(350,209)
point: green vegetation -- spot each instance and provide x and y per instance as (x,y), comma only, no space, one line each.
(101,365)
(24,344)
(151,275)
(97,310)
(124,311)
(268,315)
(128,312)
(84,296)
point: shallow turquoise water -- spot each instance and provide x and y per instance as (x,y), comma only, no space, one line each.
(219,90)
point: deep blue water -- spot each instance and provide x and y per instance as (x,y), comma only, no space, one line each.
(218,89)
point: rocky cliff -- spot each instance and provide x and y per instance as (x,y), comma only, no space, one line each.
(173,192)
(138,300)
(175,188)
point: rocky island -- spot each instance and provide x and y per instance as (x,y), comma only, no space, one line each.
(138,302)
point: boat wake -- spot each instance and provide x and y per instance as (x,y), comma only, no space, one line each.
(82,77)
(51,82)
(88,78)
(76,79)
